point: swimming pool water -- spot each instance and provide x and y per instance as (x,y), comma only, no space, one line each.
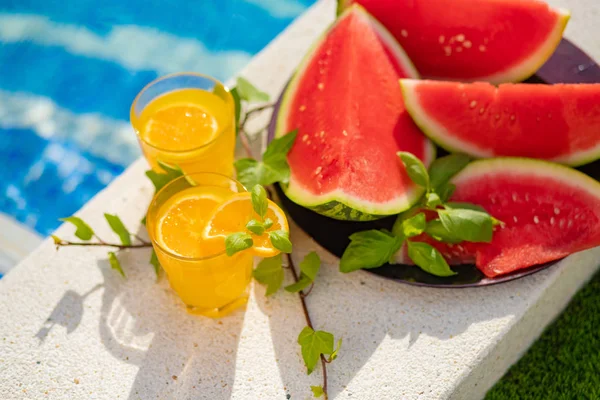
(68,74)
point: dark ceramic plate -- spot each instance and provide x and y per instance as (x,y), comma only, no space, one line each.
(568,65)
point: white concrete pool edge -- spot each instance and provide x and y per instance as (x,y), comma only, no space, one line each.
(72,328)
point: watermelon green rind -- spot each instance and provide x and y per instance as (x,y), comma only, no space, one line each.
(337,204)
(443,138)
(436,132)
(528,67)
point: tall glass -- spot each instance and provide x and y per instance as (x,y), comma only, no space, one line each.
(194,153)
(211,284)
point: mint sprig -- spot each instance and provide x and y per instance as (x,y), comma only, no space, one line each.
(455,222)
(239,241)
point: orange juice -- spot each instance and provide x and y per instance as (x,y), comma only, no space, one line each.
(207,280)
(186,120)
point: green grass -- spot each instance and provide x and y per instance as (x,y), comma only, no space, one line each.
(565,362)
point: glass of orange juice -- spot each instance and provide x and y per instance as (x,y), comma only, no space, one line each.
(188,120)
(209,282)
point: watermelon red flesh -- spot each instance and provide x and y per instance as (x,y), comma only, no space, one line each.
(551,122)
(549,212)
(351,121)
(469,40)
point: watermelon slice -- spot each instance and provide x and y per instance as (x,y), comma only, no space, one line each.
(552,122)
(472,40)
(549,211)
(351,121)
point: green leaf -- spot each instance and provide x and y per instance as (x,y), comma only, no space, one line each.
(446,191)
(143,221)
(465,206)
(445,168)
(334,355)
(429,259)
(269,272)
(309,268)
(237,242)
(249,92)
(255,227)
(302,284)
(433,200)
(56,239)
(438,231)
(468,225)
(281,241)
(310,265)
(369,249)
(313,344)
(155,263)
(414,226)
(115,264)
(415,169)
(83,231)
(159,180)
(251,172)
(117,226)
(259,200)
(280,147)
(273,167)
(268,223)
(397,228)
(238,108)
(317,391)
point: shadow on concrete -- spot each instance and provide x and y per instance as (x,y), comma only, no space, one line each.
(144,323)
(388,310)
(67,313)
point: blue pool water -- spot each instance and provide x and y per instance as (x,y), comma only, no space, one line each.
(68,74)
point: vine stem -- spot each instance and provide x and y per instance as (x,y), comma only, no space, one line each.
(309,321)
(65,243)
(242,127)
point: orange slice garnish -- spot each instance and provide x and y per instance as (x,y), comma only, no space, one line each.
(233,215)
(182,220)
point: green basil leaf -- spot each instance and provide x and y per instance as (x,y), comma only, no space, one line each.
(268,223)
(269,272)
(446,191)
(117,227)
(255,227)
(438,231)
(313,344)
(433,200)
(445,168)
(248,92)
(236,242)
(397,228)
(429,259)
(115,264)
(251,172)
(415,169)
(281,241)
(369,249)
(465,206)
(83,231)
(414,226)
(259,200)
(468,225)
